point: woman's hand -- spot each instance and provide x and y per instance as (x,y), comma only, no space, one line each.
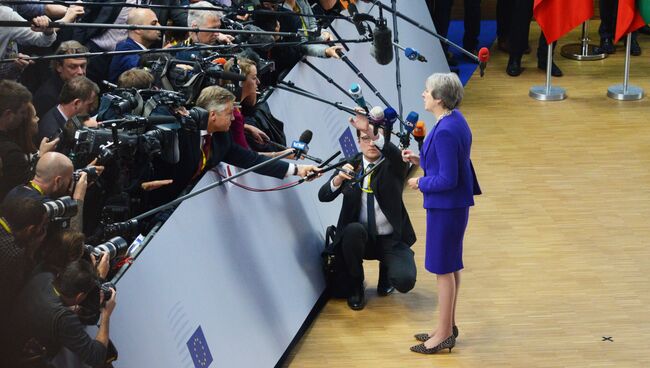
(47,145)
(257,134)
(413,183)
(409,156)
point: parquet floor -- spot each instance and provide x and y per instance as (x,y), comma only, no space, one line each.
(557,252)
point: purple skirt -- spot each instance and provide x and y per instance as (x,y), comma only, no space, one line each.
(444,247)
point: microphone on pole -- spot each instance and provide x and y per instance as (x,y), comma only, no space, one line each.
(483,58)
(409,124)
(376,117)
(357,95)
(382,43)
(419,133)
(308,157)
(411,53)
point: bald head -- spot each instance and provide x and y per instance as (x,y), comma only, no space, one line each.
(143,17)
(53,164)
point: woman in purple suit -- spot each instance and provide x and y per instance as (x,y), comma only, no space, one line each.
(448,187)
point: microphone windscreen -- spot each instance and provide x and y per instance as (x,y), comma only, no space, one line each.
(161,119)
(420,130)
(376,115)
(390,115)
(411,54)
(483,55)
(411,120)
(382,43)
(306,136)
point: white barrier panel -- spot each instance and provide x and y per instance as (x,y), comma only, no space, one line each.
(232,275)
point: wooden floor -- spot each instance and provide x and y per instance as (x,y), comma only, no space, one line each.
(557,252)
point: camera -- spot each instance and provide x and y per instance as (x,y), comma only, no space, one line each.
(105,292)
(64,207)
(113,247)
(91,173)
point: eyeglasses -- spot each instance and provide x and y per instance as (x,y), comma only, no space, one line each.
(365,139)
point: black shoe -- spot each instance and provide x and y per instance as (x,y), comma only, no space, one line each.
(384,286)
(448,343)
(357,301)
(385,290)
(555,70)
(635,49)
(514,68)
(606,47)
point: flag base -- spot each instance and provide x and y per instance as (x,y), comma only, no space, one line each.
(581,52)
(619,92)
(542,93)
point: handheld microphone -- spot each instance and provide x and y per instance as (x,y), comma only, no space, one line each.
(308,157)
(376,117)
(409,125)
(357,95)
(390,117)
(483,58)
(413,54)
(301,146)
(382,44)
(419,132)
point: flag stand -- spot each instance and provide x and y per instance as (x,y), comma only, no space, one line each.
(548,92)
(582,51)
(626,92)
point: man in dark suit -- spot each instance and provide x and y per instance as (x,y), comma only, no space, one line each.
(101,39)
(47,95)
(201,151)
(138,39)
(78,97)
(373,223)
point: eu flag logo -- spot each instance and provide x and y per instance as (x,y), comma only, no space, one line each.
(348,145)
(199,349)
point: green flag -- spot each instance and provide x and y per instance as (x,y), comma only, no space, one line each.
(644,9)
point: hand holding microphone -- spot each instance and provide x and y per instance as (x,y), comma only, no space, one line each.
(345,173)
(409,156)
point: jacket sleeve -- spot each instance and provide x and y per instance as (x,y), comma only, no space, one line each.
(244,158)
(25,36)
(325,193)
(72,334)
(394,156)
(447,177)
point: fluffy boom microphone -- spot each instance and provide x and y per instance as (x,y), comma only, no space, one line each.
(382,44)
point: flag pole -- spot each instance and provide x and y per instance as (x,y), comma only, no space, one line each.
(548,92)
(626,92)
(582,51)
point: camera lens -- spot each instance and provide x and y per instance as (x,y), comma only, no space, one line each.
(64,207)
(113,247)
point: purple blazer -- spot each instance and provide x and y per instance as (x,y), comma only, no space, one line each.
(448,180)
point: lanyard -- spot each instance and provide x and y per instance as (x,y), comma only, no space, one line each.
(5,225)
(35,186)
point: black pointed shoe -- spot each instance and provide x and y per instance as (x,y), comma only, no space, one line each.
(606,47)
(357,301)
(448,343)
(514,68)
(425,336)
(384,287)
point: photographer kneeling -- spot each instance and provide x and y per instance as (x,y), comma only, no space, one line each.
(43,321)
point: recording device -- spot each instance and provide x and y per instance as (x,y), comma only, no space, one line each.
(105,292)
(357,95)
(409,124)
(419,133)
(91,174)
(376,118)
(483,58)
(124,228)
(61,210)
(413,54)
(301,146)
(308,157)
(112,247)
(390,117)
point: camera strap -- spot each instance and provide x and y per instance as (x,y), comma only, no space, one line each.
(36,187)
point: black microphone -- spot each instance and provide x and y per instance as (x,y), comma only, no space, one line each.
(308,157)
(382,43)
(301,146)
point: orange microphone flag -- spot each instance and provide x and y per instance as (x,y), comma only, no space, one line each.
(558,17)
(628,18)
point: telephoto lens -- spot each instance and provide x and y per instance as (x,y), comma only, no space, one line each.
(64,207)
(113,247)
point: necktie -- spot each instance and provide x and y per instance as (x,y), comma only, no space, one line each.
(206,149)
(370,196)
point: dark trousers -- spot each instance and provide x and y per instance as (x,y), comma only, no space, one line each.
(608,11)
(440,11)
(397,264)
(521,13)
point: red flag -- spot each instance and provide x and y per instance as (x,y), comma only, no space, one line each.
(558,17)
(628,18)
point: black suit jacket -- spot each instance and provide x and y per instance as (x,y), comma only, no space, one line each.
(47,95)
(49,124)
(223,150)
(387,184)
(108,14)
